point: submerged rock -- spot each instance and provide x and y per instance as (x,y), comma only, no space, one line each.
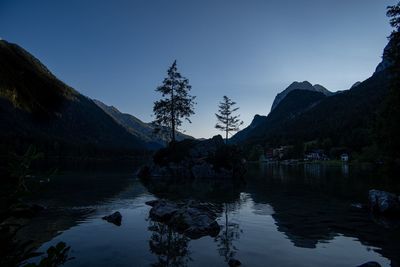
(384,202)
(114,218)
(192,219)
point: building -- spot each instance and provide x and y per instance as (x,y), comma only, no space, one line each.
(344,157)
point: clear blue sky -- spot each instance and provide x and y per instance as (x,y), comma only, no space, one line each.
(119,51)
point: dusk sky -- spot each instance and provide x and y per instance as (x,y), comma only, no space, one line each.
(119,51)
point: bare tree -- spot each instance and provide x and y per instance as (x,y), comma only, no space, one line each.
(226,121)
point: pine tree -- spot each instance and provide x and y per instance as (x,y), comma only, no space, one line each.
(226,121)
(176,102)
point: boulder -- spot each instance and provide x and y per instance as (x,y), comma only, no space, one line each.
(192,219)
(162,210)
(114,218)
(384,202)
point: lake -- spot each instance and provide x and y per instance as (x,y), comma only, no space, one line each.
(302,215)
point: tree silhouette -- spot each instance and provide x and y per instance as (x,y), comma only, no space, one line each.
(226,121)
(176,103)
(390,115)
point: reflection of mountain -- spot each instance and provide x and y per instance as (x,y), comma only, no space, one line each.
(50,224)
(72,198)
(313,205)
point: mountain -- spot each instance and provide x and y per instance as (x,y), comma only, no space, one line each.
(143,131)
(292,106)
(37,108)
(299,86)
(246,132)
(345,118)
(386,61)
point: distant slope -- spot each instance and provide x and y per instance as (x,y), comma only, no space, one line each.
(37,108)
(299,86)
(143,131)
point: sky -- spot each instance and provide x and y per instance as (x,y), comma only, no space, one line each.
(119,51)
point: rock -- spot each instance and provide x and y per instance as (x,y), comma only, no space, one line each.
(114,218)
(203,170)
(234,263)
(194,159)
(163,210)
(370,264)
(384,203)
(205,148)
(192,219)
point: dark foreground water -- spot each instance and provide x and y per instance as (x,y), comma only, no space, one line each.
(282,216)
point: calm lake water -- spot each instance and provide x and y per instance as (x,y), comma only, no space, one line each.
(282,216)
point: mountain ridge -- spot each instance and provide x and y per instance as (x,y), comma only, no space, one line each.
(37,108)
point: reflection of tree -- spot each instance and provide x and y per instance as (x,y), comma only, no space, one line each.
(230,232)
(170,247)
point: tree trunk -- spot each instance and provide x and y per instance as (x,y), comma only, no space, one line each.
(227,129)
(172,115)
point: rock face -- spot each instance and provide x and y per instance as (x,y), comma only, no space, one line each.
(384,203)
(193,219)
(114,218)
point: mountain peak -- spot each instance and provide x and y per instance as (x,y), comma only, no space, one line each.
(305,85)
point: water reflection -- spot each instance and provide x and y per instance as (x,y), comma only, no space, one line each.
(170,247)
(313,206)
(230,233)
(303,212)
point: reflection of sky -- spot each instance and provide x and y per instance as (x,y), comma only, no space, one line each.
(98,243)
